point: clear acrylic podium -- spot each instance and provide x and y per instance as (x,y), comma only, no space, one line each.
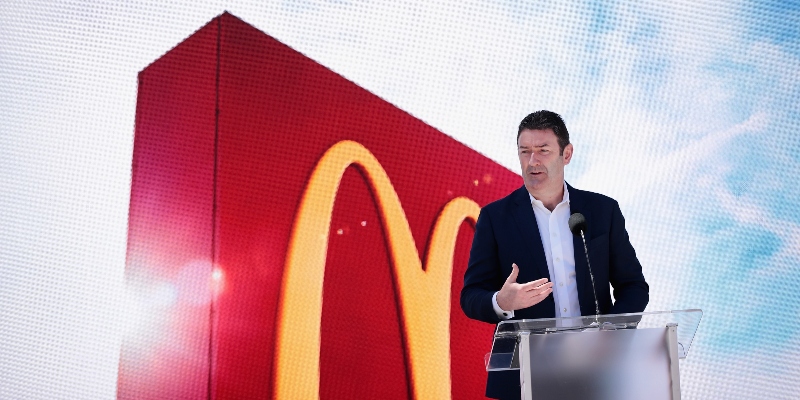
(620,356)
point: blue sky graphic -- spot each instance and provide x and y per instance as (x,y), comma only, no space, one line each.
(745,271)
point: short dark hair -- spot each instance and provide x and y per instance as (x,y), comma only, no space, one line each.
(544,119)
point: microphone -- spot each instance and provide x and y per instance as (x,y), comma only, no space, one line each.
(577,224)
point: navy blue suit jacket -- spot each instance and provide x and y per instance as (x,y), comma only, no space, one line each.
(506,232)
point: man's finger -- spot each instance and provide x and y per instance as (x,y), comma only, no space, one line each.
(542,292)
(538,297)
(538,291)
(514,272)
(534,284)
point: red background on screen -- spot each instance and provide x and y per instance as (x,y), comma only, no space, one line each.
(229,126)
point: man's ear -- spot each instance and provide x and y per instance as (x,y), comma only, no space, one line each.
(567,153)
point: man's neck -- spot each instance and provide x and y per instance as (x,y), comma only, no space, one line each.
(550,201)
(551,205)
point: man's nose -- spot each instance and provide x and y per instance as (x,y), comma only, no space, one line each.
(533,160)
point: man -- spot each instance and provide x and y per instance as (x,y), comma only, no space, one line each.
(525,263)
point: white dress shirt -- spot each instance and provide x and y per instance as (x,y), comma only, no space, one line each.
(560,255)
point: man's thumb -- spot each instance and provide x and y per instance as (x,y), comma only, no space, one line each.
(514,272)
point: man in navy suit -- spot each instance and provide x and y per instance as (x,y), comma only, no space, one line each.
(525,263)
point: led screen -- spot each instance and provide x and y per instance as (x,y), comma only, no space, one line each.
(686,113)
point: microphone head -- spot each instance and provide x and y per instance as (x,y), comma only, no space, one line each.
(577,223)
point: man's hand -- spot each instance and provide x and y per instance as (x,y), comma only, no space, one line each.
(515,296)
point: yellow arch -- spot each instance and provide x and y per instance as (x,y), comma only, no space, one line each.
(424,294)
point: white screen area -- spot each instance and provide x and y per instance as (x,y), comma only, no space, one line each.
(686,112)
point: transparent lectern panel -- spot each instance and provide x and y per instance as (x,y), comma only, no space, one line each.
(502,357)
(504,354)
(627,364)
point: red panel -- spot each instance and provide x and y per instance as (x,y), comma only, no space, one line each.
(279,112)
(165,350)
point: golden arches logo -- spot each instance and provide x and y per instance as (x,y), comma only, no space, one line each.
(424,293)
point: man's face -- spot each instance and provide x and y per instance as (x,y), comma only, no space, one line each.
(541,164)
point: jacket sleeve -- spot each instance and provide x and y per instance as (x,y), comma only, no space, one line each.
(482,277)
(631,292)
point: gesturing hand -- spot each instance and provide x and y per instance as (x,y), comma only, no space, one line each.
(514,296)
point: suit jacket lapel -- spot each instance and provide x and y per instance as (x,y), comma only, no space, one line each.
(582,279)
(526,222)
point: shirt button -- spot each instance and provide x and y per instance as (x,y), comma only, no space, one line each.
(561,284)
(565,309)
(558,259)
(555,234)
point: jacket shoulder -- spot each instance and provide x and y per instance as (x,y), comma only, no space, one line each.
(595,199)
(504,203)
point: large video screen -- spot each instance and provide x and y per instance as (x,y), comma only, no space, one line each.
(157,162)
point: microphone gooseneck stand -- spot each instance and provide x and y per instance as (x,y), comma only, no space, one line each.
(577,224)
